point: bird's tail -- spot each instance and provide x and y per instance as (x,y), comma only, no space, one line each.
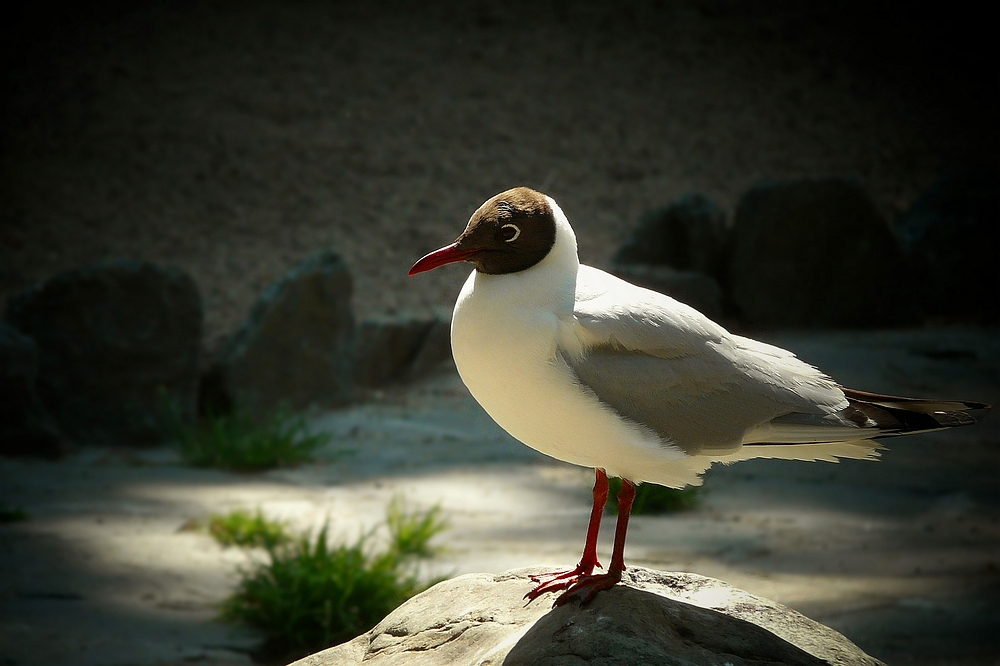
(892,415)
(848,433)
(867,416)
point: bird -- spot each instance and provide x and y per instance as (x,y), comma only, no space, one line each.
(595,371)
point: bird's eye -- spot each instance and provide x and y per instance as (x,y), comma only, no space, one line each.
(509,232)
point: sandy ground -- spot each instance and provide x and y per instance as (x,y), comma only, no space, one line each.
(233,139)
(902,555)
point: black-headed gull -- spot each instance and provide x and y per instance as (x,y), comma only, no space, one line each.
(592,370)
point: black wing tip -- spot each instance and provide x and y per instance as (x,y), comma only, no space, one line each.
(953,419)
(902,402)
(897,415)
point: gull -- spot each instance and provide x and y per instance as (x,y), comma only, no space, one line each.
(595,371)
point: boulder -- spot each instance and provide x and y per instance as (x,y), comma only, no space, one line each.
(688,235)
(297,346)
(435,349)
(698,290)
(952,237)
(816,253)
(115,340)
(652,618)
(25,427)
(400,347)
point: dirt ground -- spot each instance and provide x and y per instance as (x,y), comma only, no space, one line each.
(233,139)
(901,555)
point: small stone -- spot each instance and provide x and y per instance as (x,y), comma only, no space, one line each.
(688,235)
(387,346)
(25,427)
(401,346)
(435,349)
(952,238)
(115,340)
(816,253)
(297,346)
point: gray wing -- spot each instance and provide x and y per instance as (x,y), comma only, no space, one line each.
(669,368)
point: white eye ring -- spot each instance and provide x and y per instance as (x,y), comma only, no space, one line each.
(517,232)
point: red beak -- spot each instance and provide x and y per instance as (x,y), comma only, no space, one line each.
(445,255)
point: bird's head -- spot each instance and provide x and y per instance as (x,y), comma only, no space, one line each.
(511,232)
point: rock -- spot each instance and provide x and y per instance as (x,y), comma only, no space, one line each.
(653,618)
(386,346)
(297,346)
(400,346)
(699,291)
(688,235)
(25,427)
(111,337)
(952,237)
(435,349)
(816,253)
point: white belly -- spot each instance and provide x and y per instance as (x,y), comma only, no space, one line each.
(508,359)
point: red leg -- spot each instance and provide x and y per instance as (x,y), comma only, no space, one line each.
(560,580)
(588,586)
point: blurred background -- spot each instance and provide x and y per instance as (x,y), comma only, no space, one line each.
(212,205)
(232,140)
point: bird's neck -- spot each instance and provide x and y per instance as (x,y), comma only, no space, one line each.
(549,285)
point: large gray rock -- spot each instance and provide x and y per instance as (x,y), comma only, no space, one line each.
(952,236)
(25,427)
(816,253)
(297,346)
(400,347)
(688,235)
(112,339)
(653,618)
(698,290)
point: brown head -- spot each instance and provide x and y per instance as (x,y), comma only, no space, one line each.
(511,232)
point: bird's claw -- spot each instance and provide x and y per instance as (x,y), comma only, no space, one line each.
(558,580)
(587,587)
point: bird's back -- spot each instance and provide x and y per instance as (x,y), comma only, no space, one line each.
(665,365)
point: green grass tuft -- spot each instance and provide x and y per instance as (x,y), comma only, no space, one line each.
(310,595)
(411,531)
(242,442)
(652,499)
(241,528)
